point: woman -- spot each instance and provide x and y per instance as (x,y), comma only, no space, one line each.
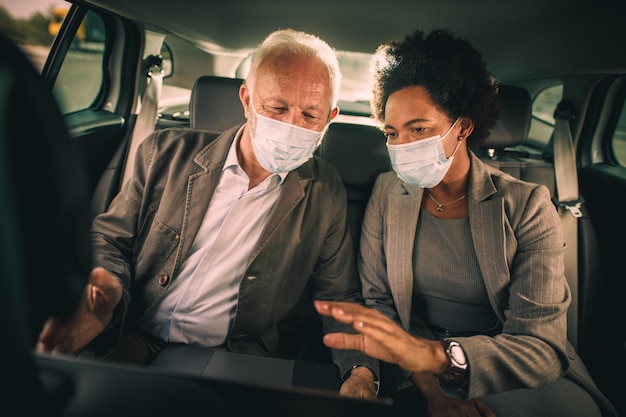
(461,264)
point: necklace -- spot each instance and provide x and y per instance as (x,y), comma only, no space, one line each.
(441,205)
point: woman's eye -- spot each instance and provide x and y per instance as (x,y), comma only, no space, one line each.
(390,135)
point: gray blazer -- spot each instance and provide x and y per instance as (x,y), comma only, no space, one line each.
(149,227)
(520,248)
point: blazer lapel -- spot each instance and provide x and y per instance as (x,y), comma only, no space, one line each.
(402,216)
(487,225)
(291,194)
(202,184)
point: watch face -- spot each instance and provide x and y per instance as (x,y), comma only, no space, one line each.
(457,356)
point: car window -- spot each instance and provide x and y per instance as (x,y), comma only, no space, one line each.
(33,26)
(618,138)
(542,121)
(81,74)
(356,85)
(29,27)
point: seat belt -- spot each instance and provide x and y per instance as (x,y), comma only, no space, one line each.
(569,204)
(147,115)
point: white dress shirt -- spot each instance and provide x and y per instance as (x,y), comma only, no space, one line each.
(200,305)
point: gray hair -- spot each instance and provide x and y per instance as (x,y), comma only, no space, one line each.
(300,44)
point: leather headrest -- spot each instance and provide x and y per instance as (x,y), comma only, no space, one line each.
(215,103)
(512,127)
(357,151)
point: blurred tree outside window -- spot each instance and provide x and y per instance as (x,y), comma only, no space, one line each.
(29,31)
(33,26)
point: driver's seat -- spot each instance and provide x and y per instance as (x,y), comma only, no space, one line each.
(44,223)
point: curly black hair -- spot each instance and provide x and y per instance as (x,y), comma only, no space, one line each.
(453,73)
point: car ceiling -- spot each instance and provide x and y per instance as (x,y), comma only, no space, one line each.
(539,38)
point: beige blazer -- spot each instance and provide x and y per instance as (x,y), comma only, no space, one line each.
(519,245)
(305,249)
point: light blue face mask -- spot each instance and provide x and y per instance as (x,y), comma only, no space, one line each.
(423,162)
(282,147)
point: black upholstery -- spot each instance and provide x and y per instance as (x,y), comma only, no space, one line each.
(359,154)
(215,103)
(504,149)
(514,122)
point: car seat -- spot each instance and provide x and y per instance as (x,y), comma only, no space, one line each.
(215,104)
(504,147)
(359,153)
(44,215)
(505,150)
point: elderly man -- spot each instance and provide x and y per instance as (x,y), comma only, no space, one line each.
(215,238)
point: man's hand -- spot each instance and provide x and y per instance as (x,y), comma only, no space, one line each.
(360,384)
(93,314)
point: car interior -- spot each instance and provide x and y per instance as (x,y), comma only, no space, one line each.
(70,120)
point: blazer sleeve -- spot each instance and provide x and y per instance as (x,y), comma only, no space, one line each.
(335,277)
(530,351)
(113,235)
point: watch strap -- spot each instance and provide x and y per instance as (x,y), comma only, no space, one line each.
(457,361)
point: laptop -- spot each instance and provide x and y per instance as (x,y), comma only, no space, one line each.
(242,368)
(280,387)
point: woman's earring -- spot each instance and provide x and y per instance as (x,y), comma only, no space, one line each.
(460,138)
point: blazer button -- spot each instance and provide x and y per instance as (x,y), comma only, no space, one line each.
(251,277)
(163,279)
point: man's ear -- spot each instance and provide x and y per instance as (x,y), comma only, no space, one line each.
(334,113)
(244,96)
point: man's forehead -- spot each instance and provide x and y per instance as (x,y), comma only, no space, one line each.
(293,66)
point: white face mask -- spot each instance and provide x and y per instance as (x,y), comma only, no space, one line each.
(282,147)
(423,162)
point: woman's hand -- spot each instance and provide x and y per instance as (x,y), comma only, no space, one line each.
(442,405)
(381,338)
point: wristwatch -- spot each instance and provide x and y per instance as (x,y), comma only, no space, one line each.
(457,361)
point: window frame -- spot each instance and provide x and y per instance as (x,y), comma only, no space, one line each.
(538,136)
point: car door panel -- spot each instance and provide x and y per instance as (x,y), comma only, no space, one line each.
(602,173)
(99,134)
(93,67)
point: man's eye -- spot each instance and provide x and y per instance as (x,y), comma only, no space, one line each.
(390,135)
(276,110)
